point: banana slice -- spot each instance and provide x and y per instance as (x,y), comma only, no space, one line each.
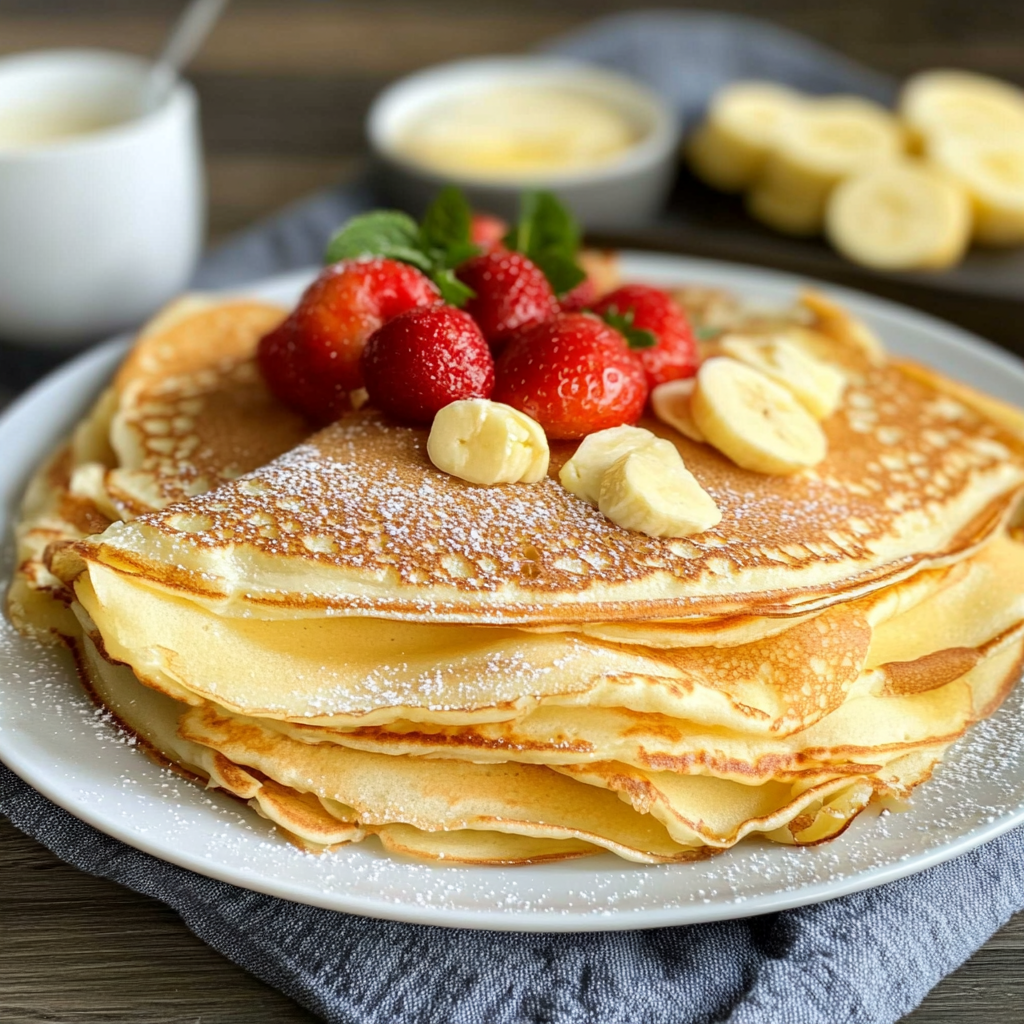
(817,386)
(839,324)
(828,140)
(488,442)
(900,217)
(651,491)
(582,474)
(671,404)
(942,103)
(730,147)
(754,421)
(992,172)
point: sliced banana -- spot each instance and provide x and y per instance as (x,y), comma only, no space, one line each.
(839,324)
(903,216)
(729,149)
(992,172)
(651,491)
(826,141)
(757,423)
(582,474)
(487,442)
(671,404)
(817,386)
(944,103)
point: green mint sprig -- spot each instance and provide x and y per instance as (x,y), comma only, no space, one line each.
(436,246)
(636,337)
(547,234)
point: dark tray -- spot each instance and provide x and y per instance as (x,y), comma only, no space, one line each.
(984,294)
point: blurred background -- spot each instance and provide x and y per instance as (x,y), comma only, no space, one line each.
(285,85)
(284,89)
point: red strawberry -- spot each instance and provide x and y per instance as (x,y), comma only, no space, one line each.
(285,367)
(573,374)
(425,359)
(511,293)
(580,297)
(675,354)
(311,361)
(487,231)
(347,303)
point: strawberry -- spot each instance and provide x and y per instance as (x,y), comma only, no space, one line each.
(425,359)
(511,293)
(346,304)
(580,297)
(487,231)
(285,368)
(640,308)
(573,374)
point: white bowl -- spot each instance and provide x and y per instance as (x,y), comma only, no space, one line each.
(624,190)
(96,229)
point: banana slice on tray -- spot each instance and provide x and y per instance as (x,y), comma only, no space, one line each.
(817,386)
(671,404)
(730,147)
(959,104)
(992,172)
(650,490)
(903,216)
(826,141)
(757,423)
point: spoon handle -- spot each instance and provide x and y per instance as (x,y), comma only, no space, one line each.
(187,36)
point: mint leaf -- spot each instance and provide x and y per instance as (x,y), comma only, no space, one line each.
(453,291)
(389,233)
(547,234)
(562,271)
(446,223)
(636,337)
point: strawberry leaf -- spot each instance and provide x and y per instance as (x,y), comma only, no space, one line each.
(636,337)
(547,234)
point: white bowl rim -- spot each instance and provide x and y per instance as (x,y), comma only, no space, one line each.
(660,139)
(181,95)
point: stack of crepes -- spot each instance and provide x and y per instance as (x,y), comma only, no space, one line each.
(360,645)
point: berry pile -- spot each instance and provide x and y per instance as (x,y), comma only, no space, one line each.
(532,330)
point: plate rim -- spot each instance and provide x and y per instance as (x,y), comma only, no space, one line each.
(105,356)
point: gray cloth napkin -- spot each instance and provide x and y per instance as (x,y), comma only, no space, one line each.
(862,959)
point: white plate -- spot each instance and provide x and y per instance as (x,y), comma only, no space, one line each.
(53,738)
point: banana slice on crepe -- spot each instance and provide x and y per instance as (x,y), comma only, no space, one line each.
(757,423)
(901,216)
(729,149)
(487,442)
(671,404)
(650,490)
(583,473)
(827,141)
(816,385)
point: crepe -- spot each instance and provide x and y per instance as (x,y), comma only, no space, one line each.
(186,411)
(361,646)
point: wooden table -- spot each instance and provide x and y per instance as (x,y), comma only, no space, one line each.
(284,87)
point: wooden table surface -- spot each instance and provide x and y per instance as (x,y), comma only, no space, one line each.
(284,87)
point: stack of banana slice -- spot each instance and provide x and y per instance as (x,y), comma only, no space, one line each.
(364,647)
(894,192)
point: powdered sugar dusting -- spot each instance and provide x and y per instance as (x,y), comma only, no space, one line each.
(362,497)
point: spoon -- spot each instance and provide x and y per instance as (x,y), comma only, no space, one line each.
(187,36)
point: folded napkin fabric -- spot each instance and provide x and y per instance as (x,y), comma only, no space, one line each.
(868,958)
